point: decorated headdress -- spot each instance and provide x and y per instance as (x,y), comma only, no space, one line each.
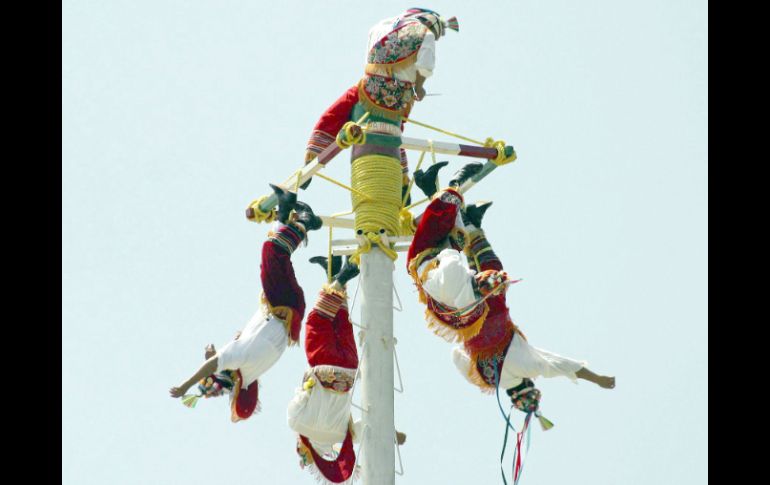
(433,20)
(212,386)
(243,402)
(526,398)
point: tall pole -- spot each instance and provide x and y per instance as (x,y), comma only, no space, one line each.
(378,462)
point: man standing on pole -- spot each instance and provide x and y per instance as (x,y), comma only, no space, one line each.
(400,57)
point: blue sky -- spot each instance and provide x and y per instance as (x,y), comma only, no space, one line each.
(176,114)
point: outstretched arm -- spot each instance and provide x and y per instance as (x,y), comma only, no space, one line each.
(208,368)
(330,123)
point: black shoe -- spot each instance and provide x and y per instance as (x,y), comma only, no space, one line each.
(428,180)
(349,271)
(324,262)
(286,202)
(474,213)
(305,215)
(465,173)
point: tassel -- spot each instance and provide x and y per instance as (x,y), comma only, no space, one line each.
(544,422)
(453,24)
(190,400)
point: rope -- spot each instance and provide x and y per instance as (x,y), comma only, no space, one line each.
(400,307)
(362,118)
(353,304)
(411,181)
(346,138)
(259,214)
(296,185)
(398,370)
(340,184)
(405,216)
(426,199)
(500,145)
(340,214)
(376,201)
(406,222)
(460,311)
(369,240)
(444,131)
(329,258)
(432,151)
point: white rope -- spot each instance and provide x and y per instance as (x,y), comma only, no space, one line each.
(361,445)
(400,305)
(398,369)
(358,371)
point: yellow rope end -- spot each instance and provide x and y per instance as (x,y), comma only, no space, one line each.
(346,138)
(371,239)
(500,145)
(376,239)
(259,214)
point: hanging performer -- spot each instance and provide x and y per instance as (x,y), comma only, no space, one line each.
(236,368)
(466,302)
(320,411)
(400,56)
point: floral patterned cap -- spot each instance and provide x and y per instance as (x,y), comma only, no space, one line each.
(525,397)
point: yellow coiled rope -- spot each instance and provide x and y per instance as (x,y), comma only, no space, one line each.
(376,200)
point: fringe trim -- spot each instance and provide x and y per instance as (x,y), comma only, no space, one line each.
(473,373)
(316,473)
(333,291)
(414,265)
(307,462)
(435,324)
(479,381)
(453,334)
(234,399)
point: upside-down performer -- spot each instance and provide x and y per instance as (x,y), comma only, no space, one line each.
(466,302)
(320,411)
(236,368)
(400,56)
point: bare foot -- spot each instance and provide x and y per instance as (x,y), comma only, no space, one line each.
(211,351)
(176,392)
(400,438)
(606,382)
